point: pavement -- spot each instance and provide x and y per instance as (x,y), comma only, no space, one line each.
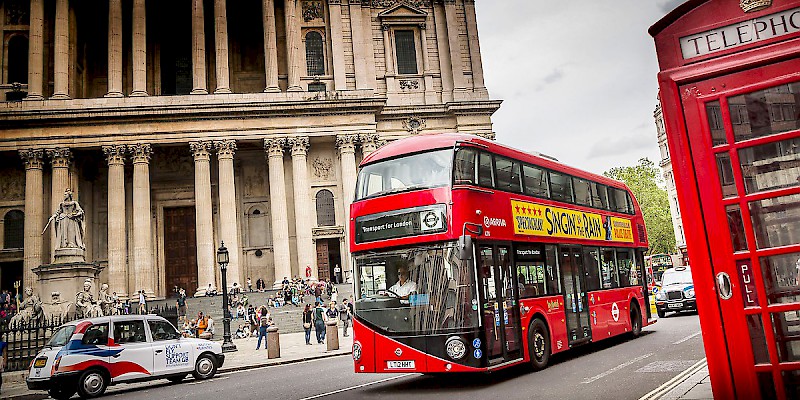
(293,350)
(691,384)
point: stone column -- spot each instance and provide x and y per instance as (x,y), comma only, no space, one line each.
(142,220)
(36,50)
(277,203)
(60,160)
(302,205)
(221,47)
(430,95)
(117,232)
(457,65)
(445,68)
(369,43)
(359,44)
(293,45)
(61,57)
(270,47)
(34,213)
(370,143)
(228,216)
(204,228)
(198,49)
(114,48)
(474,49)
(388,56)
(347,153)
(139,49)
(337,45)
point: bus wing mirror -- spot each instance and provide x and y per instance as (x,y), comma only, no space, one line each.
(465,250)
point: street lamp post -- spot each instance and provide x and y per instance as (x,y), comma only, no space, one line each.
(222,260)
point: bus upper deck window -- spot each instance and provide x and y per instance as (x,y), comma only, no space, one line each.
(485,170)
(464,167)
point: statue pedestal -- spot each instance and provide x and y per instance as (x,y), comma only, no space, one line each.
(67,278)
(69,255)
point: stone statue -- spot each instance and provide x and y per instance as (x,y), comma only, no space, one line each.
(57,309)
(85,305)
(68,223)
(30,310)
(105,300)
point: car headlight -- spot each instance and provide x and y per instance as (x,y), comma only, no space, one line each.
(456,348)
(661,296)
(689,293)
(356,351)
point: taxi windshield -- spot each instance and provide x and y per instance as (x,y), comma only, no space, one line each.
(61,336)
(674,276)
(416,171)
(420,290)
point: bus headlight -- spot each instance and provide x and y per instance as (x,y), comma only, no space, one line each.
(456,348)
(356,351)
(689,293)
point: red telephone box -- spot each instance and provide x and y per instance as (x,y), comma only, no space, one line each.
(730,92)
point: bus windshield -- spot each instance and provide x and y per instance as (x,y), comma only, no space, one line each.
(417,291)
(417,171)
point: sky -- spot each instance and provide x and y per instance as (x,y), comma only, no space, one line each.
(577,77)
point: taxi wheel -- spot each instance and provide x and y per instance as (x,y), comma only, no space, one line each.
(661,313)
(539,344)
(61,393)
(92,383)
(205,367)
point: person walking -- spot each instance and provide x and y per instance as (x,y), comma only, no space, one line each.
(318,292)
(263,324)
(307,318)
(3,359)
(142,303)
(319,321)
(335,295)
(181,303)
(345,315)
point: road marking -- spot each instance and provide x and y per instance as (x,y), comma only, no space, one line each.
(218,378)
(356,387)
(617,368)
(660,391)
(687,338)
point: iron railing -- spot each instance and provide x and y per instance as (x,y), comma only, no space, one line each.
(26,339)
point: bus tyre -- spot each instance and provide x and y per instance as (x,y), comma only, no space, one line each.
(538,344)
(636,321)
(92,383)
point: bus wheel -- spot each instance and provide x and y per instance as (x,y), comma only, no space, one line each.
(636,321)
(539,344)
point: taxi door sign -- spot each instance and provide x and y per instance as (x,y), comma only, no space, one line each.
(542,220)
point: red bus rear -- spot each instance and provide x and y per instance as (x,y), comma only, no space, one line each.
(472,256)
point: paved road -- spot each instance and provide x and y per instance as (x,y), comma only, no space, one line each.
(619,368)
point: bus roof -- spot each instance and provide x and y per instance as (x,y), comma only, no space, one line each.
(430,141)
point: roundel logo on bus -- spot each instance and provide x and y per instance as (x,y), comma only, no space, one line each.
(615,312)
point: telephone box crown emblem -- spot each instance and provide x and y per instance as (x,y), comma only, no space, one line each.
(754,5)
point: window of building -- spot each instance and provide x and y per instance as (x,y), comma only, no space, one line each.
(17,62)
(315,54)
(14,229)
(405,52)
(317,87)
(326,212)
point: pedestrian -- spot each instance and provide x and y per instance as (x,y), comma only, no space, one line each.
(263,324)
(328,288)
(337,273)
(202,325)
(181,303)
(318,292)
(319,321)
(332,313)
(3,360)
(307,323)
(335,295)
(345,315)
(249,285)
(142,303)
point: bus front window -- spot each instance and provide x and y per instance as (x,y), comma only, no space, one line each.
(416,291)
(416,171)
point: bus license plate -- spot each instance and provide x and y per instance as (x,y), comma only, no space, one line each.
(40,362)
(675,305)
(400,364)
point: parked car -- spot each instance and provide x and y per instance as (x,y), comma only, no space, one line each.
(677,291)
(87,355)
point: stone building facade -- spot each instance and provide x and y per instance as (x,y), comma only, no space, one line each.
(669,178)
(181,124)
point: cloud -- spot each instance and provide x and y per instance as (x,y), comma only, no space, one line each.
(621,145)
(669,5)
(550,79)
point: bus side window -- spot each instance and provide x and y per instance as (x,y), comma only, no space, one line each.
(535,180)
(507,174)
(560,187)
(590,265)
(599,196)
(485,170)
(626,269)
(464,165)
(583,195)
(551,270)
(609,269)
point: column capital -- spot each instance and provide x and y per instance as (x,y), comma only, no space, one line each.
(201,151)
(370,142)
(299,145)
(59,157)
(346,143)
(140,152)
(33,158)
(335,2)
(274,146)
(225,148)
(115,154)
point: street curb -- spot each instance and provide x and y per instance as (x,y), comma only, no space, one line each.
(39,396)
(662,390)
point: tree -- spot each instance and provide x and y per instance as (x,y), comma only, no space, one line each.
(646,182)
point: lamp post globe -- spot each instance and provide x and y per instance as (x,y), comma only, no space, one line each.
(222,260)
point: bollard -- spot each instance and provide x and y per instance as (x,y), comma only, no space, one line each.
(273,343)
(332,334)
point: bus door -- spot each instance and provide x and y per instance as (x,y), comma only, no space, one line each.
(576,305)
(500,308)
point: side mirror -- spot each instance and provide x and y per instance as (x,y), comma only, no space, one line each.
(465,248)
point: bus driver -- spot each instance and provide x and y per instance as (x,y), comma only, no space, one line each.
(404,286)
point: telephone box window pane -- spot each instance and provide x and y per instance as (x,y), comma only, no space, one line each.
(787,335)
(736,225)
(781,277)
(771,166)
(535,180)
(757,338)
(776,221)
(767,385)
(769,111)
(725,171)
(715,125)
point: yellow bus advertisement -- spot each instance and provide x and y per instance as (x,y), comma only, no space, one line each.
(542,220)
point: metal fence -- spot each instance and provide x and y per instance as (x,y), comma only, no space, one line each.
(26,339)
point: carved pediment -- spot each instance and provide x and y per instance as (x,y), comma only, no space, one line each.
(402,13)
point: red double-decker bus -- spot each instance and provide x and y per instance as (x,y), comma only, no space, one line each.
(473,256)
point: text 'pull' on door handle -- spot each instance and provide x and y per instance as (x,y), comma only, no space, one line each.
(724,286)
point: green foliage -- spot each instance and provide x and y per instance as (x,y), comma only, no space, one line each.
(646,182)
